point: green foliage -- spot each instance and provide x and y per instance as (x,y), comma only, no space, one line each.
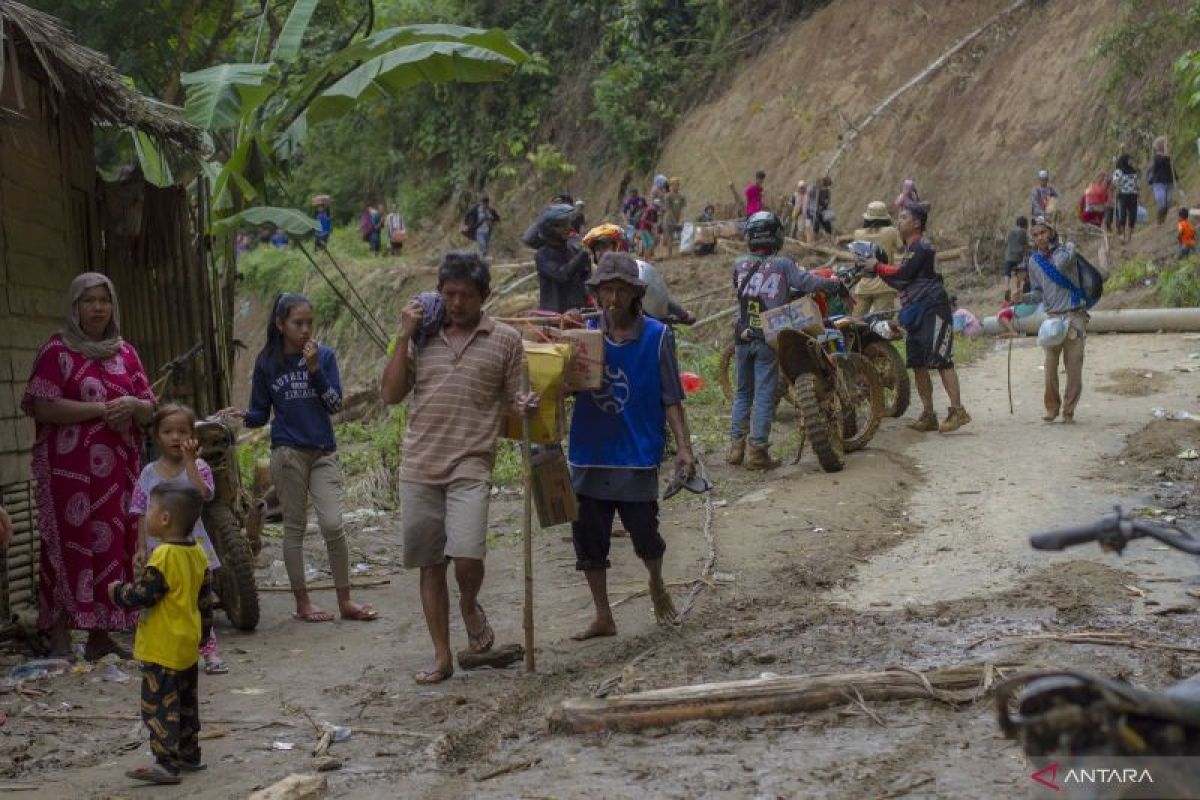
(1180,285)
(266,270)
(1176,284)
(1156,90)
(1134,272)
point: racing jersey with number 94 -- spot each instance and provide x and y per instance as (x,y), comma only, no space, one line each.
(777,282)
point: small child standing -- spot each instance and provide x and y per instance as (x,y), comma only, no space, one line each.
(178,467)
(176,590)
(1187,234)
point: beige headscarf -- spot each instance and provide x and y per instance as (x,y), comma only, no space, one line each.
(73,335)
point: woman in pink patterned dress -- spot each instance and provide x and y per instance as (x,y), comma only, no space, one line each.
(89,395)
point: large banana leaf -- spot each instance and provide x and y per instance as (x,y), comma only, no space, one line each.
(219,97)
(287,48)
(388,75)
(294,222)
(152,160)
(392,39)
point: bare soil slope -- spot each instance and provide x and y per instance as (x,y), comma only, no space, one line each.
(1024,95)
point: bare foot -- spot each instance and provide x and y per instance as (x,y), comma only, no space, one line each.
(664,607)
(311,613)
(437,674)
(357,613)
(598,627)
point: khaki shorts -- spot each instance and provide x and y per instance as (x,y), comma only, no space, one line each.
(440,522)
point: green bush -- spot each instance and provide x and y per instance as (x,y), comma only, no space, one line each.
(1180,286)
(1134,272)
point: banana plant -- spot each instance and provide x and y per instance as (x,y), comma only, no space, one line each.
(259,112)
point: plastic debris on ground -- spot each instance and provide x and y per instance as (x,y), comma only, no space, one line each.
(35,669)
(1188,455)
(283,745)
(113,674)
(1162,413)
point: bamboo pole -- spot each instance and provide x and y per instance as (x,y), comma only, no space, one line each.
(527,530)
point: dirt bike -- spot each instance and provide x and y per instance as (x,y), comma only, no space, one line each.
(1069,713)
(227,513)
(871,337)
(838,393)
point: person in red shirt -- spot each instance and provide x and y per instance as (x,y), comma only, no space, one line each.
(754,194)
(1187,234)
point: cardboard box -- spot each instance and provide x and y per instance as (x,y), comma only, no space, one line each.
(553,496)
(585,369)
(800,315)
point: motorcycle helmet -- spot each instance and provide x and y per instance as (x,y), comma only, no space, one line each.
(612,234)
(764,230)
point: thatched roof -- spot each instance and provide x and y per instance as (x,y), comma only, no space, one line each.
(84,78)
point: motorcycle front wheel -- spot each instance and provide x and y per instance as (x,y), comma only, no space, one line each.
(822,419)
(234,581)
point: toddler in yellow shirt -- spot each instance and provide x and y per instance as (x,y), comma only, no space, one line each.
(175,589)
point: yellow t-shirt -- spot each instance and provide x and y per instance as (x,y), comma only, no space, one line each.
(168,633)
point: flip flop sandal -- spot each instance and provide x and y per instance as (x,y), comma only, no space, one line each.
(482,641)
(215,668)
(429,677)
(199,766)
(156,774)
(694,484)
(499,658)
(314,616)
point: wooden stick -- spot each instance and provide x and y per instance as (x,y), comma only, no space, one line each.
(729,312)
(505,770)
(774,695)
(1117,639)
(527,531)
(323,743)
(1010,400)
(315,587)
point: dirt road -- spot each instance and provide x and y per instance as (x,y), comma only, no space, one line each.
(915,555)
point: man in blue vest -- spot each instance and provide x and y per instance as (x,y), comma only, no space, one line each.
(618,434)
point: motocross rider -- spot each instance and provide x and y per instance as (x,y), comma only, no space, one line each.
(762,279)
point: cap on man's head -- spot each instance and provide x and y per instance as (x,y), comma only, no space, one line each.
(1044,222)
(617,267)
(1043,175)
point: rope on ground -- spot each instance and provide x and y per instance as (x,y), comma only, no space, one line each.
(710,561)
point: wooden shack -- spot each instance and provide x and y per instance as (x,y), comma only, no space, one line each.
(57,219)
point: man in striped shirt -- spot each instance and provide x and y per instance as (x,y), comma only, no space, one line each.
(461,369)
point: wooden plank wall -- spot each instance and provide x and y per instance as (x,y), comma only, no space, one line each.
(47,236)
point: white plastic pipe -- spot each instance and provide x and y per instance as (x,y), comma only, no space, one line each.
(1123,320)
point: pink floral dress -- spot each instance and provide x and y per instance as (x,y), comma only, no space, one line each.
(85,474)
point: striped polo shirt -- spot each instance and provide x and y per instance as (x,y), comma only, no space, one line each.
(458,401)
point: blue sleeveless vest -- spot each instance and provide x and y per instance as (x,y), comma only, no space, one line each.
(623,424)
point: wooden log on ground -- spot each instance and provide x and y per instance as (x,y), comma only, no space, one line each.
(775,695)
(294,787)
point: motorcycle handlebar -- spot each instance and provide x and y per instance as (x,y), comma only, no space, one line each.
(1115,529)
(1062,538)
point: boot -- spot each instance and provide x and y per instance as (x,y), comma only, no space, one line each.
(955,419)
(737,451)
(925,423)
(759,458)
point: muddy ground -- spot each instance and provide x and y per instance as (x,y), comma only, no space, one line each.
(916,555)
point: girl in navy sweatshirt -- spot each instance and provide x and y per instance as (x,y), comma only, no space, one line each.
(298,379)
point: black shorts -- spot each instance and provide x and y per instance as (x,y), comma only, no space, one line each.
(931,344)
(1013,266)
(592,532)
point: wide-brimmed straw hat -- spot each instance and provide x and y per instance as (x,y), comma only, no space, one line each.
(877,212)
